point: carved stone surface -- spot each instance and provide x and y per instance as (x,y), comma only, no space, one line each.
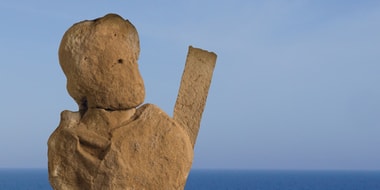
(99,59)
(110,143)
(192,95)
(133,149)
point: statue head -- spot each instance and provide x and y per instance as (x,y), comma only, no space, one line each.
(99,58)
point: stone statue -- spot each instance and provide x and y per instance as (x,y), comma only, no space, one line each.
(113,141)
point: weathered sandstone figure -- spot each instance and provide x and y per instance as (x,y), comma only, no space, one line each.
(114,142)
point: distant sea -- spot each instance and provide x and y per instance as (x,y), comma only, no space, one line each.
(37,179)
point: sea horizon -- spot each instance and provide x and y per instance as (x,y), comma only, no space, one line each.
(227,178)
(230,169)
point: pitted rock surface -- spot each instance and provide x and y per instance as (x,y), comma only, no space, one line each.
(99,59)
(134,149)
(113,142)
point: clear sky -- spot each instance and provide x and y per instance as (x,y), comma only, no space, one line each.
(296,86)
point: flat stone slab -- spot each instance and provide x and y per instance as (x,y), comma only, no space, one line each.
(193,91)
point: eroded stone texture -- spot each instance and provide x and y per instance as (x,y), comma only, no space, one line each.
(99,59)
(110,143)
(192,95)
(129,149)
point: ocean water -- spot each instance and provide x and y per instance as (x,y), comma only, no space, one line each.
(37,179)
(283,180)
(24,179)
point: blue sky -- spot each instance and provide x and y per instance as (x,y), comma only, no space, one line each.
(296,86)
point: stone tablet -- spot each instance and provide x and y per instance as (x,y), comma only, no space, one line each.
(192,95)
